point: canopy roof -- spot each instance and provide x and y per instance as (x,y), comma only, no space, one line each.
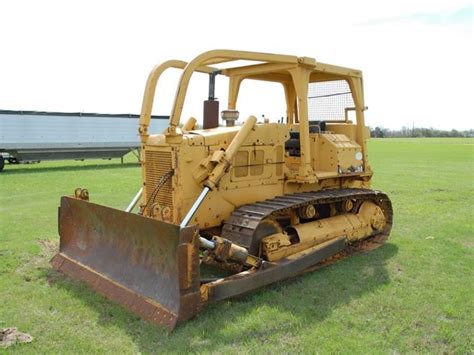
(268,67)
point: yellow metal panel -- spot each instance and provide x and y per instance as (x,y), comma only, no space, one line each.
(347,129)
(256,162)
(279,160)
(241,162)
(335,154)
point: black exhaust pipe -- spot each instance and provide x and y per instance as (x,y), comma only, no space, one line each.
(211,105)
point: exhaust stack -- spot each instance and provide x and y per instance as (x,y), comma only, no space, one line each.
(211,106)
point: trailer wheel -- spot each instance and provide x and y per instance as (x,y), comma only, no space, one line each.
(2,163)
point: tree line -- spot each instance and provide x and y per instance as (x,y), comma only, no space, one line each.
(380,132)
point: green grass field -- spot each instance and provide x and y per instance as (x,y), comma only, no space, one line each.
(415,294)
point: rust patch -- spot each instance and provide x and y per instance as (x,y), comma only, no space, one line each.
(148,266)
(142,306)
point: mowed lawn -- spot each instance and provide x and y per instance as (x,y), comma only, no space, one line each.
(415,294)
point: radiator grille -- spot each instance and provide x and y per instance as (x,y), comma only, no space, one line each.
(157,165)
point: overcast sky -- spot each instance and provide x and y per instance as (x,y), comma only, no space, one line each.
(95,56)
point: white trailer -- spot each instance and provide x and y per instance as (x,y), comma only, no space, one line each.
(27,136)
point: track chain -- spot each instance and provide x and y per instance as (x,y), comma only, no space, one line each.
(241,225)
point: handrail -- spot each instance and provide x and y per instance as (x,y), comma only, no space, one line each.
(219,55)
(150,88)
(201,64)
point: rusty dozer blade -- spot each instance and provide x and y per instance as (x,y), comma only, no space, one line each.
(148,266)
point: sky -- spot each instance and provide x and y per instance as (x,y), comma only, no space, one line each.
(94,56)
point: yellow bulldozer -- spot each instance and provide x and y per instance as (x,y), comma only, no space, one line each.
(231,207)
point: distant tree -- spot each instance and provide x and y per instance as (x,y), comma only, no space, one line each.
(379,132)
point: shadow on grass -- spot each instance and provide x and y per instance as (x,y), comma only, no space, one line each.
(39,169)
(280,311)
